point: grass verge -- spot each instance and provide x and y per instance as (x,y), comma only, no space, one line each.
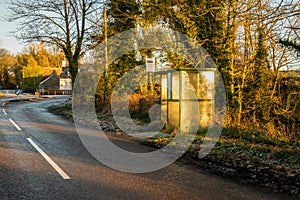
(258,161)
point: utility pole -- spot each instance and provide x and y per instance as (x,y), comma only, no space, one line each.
(105,71)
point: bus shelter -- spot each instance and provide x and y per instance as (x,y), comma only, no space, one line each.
(183,91)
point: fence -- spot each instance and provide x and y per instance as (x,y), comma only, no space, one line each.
(57,92)
(7,91)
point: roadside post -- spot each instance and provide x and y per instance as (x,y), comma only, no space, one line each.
(151,68)
(18,92)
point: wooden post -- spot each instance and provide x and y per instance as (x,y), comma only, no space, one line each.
(105,71)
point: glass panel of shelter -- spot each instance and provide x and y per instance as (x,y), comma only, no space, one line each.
(180,90)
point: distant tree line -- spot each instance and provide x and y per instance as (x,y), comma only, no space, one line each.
(26,69)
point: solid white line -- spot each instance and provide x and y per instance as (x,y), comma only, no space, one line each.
(19,129)
(49,160)
(3,104)
(4,111)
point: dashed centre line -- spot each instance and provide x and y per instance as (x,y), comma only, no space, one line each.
(45,156)
(16,125)
(49,160)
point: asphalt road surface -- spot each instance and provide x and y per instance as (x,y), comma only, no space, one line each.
(42,157)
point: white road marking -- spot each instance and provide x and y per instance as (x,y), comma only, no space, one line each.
(17,127)
(3,104)
(49,160)
(4,111)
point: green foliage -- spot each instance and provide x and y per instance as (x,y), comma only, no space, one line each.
(291,44)
(200,20)
(122,15)
(256,101)
(30,84)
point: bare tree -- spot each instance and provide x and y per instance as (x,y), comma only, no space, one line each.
(66,24)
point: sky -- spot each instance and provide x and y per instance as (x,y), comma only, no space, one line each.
(6,41)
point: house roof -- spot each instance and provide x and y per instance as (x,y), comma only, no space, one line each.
(45,80)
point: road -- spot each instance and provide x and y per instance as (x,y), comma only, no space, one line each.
(42,157)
